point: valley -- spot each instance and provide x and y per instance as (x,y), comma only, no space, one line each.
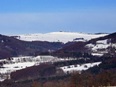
(56,55)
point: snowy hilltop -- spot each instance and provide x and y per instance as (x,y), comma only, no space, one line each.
(59,37)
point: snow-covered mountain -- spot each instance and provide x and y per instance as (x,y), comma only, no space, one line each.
(59,37)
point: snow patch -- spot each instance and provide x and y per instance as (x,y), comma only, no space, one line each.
(97,54)
(73,68)
(102,41)
(114,45)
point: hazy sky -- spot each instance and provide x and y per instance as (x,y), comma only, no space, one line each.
(42,16)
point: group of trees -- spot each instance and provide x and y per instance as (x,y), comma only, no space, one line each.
(85,79)
(105,78)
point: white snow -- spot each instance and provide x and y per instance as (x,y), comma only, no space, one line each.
(90,45)
(97,54)
(1,79)
(114,45)
(8,68)
(18,63)
(100,44)
(58,36)
(102,41)
(100,47)
(73,68)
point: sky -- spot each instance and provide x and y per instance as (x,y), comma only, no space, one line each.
(43,16)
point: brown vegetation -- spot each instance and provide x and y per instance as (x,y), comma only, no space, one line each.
(85,79)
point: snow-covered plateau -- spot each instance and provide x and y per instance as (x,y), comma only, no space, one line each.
(59,37)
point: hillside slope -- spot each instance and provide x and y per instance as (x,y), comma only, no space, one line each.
(10,46)
(105,45)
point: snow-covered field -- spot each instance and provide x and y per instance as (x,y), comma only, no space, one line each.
(59,37)
(73,68)
(101,47)
(17,63)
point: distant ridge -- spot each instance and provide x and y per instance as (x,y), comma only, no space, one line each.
(59,36)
